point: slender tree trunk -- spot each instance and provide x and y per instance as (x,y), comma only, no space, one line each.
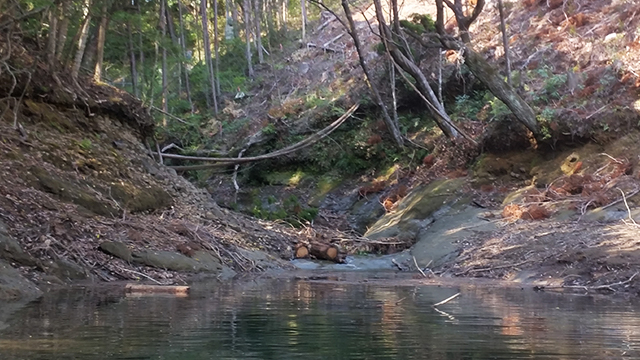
(51,39)
(82,41)
(505,41)
(63,29)
(143,77)
(176,41)
(303,9)
(216,45)
(184,51)
(234,16)
(165,83)
(353,31)
(247,29)
(207,53)
(132,62)
(256,17)
(102,33)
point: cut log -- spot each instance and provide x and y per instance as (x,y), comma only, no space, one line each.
(302,251)
(139,289)
(325,252)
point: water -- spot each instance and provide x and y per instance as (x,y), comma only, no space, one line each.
(337,317)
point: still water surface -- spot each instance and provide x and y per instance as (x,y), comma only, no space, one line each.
(339,317)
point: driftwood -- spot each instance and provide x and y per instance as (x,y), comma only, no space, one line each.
(139,289)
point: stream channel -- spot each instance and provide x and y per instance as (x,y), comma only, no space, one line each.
(325,315)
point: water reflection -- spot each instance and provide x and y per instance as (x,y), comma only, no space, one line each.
(326,319)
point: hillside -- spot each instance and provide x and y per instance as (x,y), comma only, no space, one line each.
(85,196)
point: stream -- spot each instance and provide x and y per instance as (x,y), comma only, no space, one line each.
(326,315)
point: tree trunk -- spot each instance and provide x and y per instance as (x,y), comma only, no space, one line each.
(482,69)
(505,41)
(183,46)
(63,29)
(234,16)
(207,53)
(303,9)
(132,62)
(256,17)
(176,41)
(435,107)
(503,91)
(51,39)
(82,42)
(216,45)
(143,78)
(102,33)
(165,83)
(247,29)
(353,31)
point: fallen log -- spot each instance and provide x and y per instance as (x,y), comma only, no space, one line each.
(325,252)
(140,289)
(301,251)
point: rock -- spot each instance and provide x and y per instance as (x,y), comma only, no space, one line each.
(66,270)
(10,249)
(365,212)
(437,217)
(14,286)
(175,261)
(68,191)
(419,209)
(139,199)
(117,249)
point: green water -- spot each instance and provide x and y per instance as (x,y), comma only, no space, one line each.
(339,317)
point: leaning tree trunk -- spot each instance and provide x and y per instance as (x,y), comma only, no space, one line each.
(481,68)
(435,107)
(488,75)
(353,31)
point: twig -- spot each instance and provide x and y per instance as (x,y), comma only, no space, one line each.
(619,200)
(492,268)
(446,300)
(168,114)
(596,112)
(599,287)
(418,267)
(627,205)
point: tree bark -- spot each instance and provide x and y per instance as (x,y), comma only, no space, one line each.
(82,41)
(183,46)
(51,39)
(165,83)
(303,10)
(256,17)
(353,31)
(247,29)
(63,29)
(132,62)
(207,53)
(500,89)
(216,45)
(143,77)
(505,41)
(102,33)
